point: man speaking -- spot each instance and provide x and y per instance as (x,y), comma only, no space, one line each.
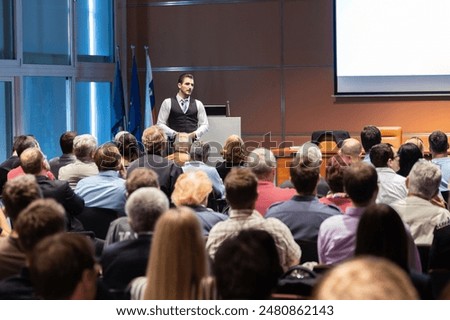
(183,114)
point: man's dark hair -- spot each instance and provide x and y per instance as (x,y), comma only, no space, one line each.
(370,136)
(380,155)
(336,167)
(438,142)
(241,188)
(18,193)
(304,178)
(360,183)
(24,142)
(141,177)
(66,141)
(57,264)
(199,151)
(107,157)
(247,266)
(184,75)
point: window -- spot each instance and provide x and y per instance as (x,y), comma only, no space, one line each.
(6,108)
(6,29)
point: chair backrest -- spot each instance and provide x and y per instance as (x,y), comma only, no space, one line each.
(97,220)
(329,140)
(309,250)
(392,135)
(424,253)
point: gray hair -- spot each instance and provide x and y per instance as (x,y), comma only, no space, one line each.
(84,145)
(144,207)
(262,161)
(424,179)
(309,155)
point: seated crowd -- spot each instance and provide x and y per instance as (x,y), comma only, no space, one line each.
(117,221)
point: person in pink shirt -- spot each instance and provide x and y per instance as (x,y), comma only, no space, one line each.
(263,164)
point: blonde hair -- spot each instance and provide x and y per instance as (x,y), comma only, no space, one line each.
(177,257)
(191,189)
(366,278)
(234,149)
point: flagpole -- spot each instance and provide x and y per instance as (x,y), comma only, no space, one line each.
(133,51)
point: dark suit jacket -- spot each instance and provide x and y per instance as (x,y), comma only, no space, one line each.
(62,193)
(125,260)
(167,170)
(10,163)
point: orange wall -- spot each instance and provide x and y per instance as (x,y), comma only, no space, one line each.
(273,60)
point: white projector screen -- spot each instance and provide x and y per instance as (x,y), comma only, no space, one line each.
(392,47)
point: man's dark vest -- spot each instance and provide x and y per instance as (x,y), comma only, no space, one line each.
(183,122)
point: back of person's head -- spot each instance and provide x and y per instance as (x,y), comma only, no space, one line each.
(418,142)
(438,142)
(381,233)
(84,146)
(18,193)
(127,144)
(24,142)
(108,157)
(144,207)
(154,140)
(335,173)
(32,161)
(199,151)
(365,278)
(370,136)
(247,266)
(233,150)
(182,142)
(351,148)
(62,266)
(262,162)
(66,141)
(177,257)
(424,179)
(361,183)
(192,189)
(43,217)
(408,155)
(141,177)
(380,154)
(305,169)
(241,188)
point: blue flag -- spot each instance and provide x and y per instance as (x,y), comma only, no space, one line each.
(118,107)
(134,112)
(149,93)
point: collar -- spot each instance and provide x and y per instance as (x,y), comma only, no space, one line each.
(309,198)
(180,99)
(355,211)
(241,213)
(109,173)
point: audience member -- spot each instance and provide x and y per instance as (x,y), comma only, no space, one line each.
(351,150)
(382,233)
(241,193)
(107,188)
(32,162)
(199,154)
(84,147)
(192,190)
(337,234)
(439,256)
(370,136)
(42,218)
(416,210)
(17,195)
(247,266)
(303,214)
(12,162)
(67,157)
(418,142)
(335,179)
(182,146)
(408,154)
(120,228)
(63,266)
(178,263)
(365,278)
(263,164)
(233,153)
(125,260)
(392,186)
(155,142)
(438,142)
(128,147)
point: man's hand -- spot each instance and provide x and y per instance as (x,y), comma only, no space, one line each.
(192,136)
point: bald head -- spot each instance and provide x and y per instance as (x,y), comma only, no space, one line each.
(32,161)
(352,149)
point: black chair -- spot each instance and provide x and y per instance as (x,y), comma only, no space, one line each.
(97,220)
(440,278)
(337,136)
(424,253)
(309,250)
